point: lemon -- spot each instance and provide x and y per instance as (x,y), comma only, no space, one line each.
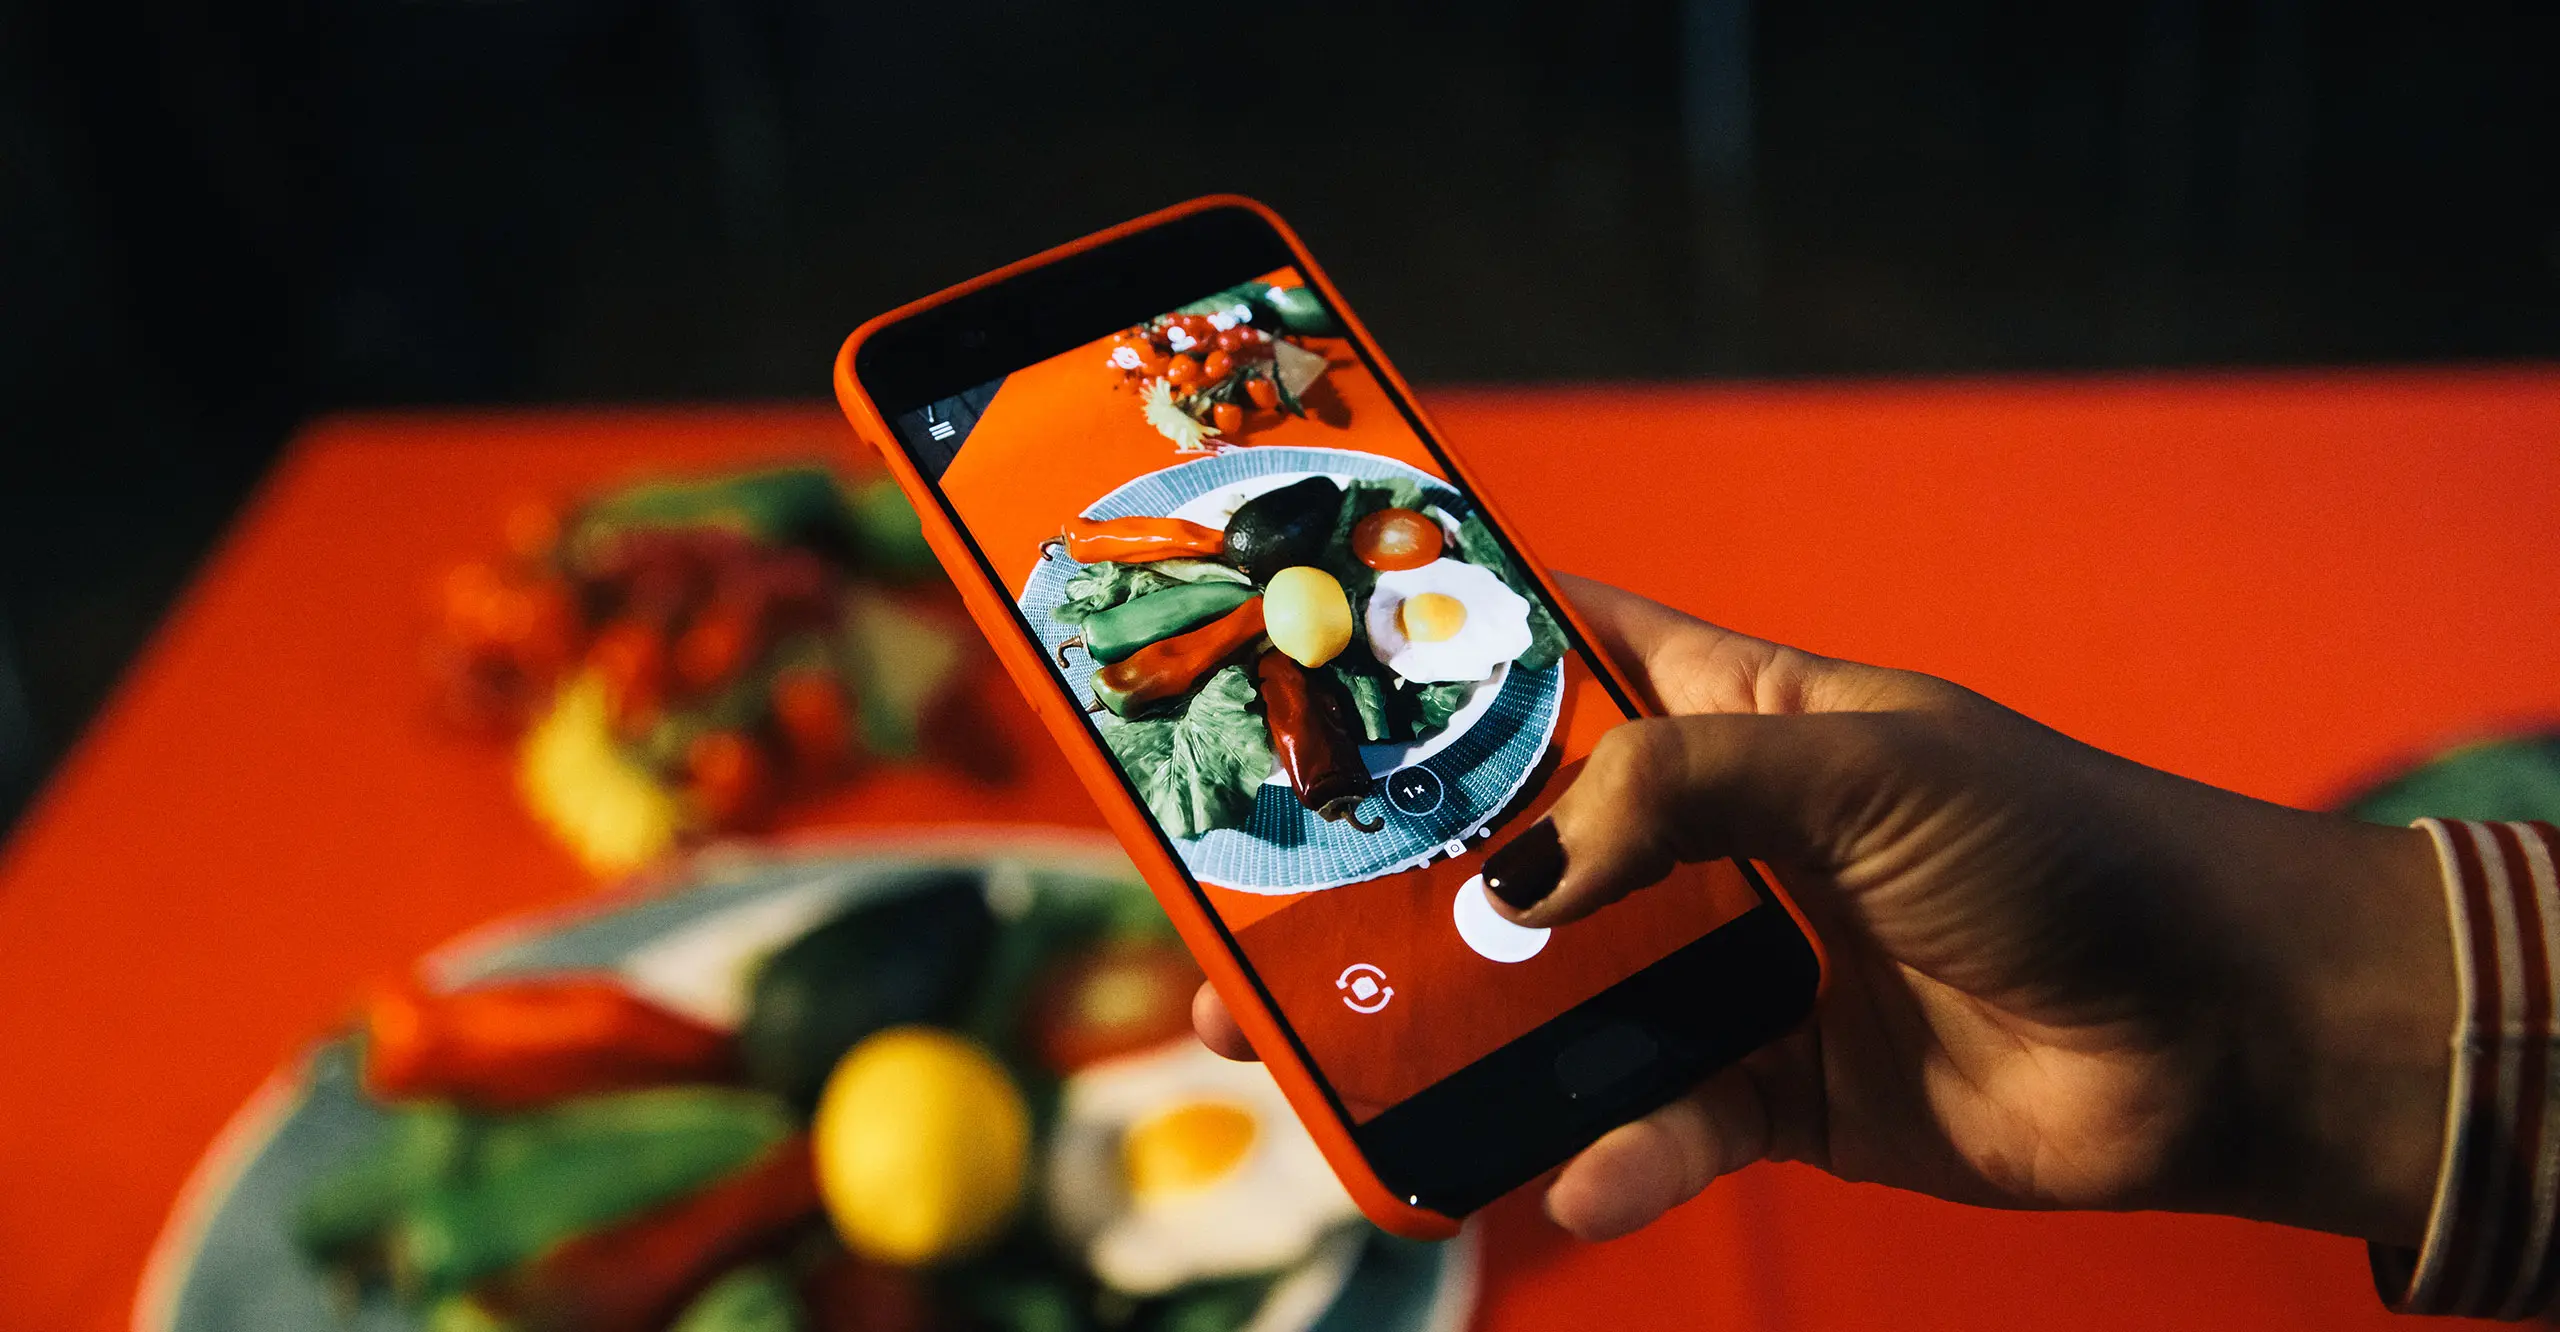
(921,1142)
(1307,615)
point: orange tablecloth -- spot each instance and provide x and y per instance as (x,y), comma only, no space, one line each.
(2279,584)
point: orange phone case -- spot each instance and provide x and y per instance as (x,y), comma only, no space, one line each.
(994,611)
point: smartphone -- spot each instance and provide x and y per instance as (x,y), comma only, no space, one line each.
(1312,678)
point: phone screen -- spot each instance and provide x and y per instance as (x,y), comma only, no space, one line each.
(1241,486)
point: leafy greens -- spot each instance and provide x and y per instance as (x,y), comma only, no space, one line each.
(1199,770)
(1098,587)
(1392,712)
(1476,544)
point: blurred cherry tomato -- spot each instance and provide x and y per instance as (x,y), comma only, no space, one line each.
(532,528)
(1235,339)
(1396,539)
(631,658)
(463,600)
(729,778)
(714,648)
(1182,372)
(1265,394)
(1190,331)
(809,710)
(1216,366)
(1227,417)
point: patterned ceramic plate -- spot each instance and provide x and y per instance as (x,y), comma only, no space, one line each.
(1431,795)
(224,1262)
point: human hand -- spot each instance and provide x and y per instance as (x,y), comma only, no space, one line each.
(2059,979)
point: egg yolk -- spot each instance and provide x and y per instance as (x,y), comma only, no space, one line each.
(1432,617)
(1184,1148)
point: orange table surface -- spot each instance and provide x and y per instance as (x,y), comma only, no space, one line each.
(2281,584)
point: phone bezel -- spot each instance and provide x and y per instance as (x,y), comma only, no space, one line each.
(1475,1134)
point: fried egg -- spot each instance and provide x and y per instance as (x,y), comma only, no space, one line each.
(1446,621)
(1175,1166)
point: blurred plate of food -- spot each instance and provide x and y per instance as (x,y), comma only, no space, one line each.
(682,658)
(893,1084)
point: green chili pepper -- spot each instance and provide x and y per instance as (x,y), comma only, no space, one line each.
(1170,667)
(536,1179)
(1113,634)
(750,1299)
(345,1213)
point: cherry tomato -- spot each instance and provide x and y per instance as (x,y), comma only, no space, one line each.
(1265,394)
(729,778)
(631,658)
(1396,539)
(1182,372)
(809,711)
(1216,367)
(714,648)
(1193,330)
(1235,339)
(1227,417)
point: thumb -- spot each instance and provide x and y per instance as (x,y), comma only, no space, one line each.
(1664,791)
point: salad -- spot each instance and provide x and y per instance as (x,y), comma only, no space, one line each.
(1215,368)
(1326,613)
(684,657)
(964,1097)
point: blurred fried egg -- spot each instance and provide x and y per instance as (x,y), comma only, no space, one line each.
(1176,1166)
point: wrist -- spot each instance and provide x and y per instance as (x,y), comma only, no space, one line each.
(2345,1039)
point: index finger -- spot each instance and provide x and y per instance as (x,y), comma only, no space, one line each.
(1684,665)
(1217,1027)
(1681,664)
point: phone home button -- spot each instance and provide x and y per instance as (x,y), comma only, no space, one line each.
(1605,1058)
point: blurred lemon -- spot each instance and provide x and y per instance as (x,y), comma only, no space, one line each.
(922,1142)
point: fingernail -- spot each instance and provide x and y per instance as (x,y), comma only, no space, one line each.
(1527,867)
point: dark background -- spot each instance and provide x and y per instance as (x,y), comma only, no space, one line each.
(217,220)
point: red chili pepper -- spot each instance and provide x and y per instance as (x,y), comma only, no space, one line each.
(1315,733)
(1170,668)
(1140,540)
(637,1276)
(514,1044)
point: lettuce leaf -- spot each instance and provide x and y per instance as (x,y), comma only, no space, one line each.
(1476,545)
(1099,587)
(1369,698)
(1437,703)
(1392,712)
(1200,770)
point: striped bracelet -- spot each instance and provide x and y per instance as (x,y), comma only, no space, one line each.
(2488,1250)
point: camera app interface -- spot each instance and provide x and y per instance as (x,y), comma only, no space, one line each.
(1315,665)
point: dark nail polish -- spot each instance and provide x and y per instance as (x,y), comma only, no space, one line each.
(1527,867)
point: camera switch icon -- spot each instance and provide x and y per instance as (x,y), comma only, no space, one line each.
(1364,987)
